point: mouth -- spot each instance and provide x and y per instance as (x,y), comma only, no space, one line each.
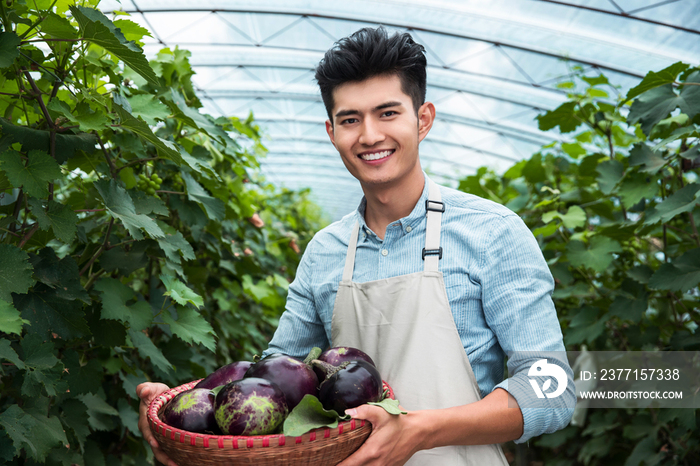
(376,155)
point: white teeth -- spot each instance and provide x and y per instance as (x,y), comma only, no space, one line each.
(375,155)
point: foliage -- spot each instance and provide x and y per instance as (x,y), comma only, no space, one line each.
(133,230)
(614,204)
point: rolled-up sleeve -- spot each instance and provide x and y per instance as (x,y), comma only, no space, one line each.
(516,295)
(300,328)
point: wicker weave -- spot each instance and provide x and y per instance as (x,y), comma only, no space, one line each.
(320,447)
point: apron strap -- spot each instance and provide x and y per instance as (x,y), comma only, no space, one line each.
(434,207)
(350,257)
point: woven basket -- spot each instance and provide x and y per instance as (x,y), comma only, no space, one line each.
(320,447)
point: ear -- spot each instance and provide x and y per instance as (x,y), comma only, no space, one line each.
(329,130)
(426,117)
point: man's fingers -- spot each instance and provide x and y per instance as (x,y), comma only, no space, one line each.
(367,412)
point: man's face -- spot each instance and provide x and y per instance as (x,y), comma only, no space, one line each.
(376,130)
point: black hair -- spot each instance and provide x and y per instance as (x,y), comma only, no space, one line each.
(371,52)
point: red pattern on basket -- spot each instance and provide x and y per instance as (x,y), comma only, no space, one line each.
(159,426)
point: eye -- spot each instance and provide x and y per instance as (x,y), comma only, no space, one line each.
(389,113)
(348,121)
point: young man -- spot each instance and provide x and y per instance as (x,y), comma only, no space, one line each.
(434,284)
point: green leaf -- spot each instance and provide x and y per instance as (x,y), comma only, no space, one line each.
(308,415)
(533,171)
(214,208)
(640,273)
(650,161)
(563,116)
(192,117)
(598,256)
(145,204)
(34,139)
(9,41)
(148,350)
(15,272)
(149,108)
(96,28)
(49,313)
(6,352)
(99,412)
(657,78)
(644,452)
(654,105)
(575,217)
(389,405)
(573,149)
(628,309)
(74,415)
(10,320)
(678,133)
(179,292)
(121,206)
(42,367)
(82,377)
(174,244)
(35,176)
(61,275)
(681,201)
(682,274)
(32,429)
(191,327)
(596,80)
(57,27)
(114,298)
(90,119)
(636,187)
(126,261)
(131,30)
(59,217)
(165,148)
(610,173)
(129,416)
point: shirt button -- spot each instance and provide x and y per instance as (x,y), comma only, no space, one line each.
(384,252)
(408,229)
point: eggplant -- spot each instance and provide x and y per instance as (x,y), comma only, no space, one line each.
(338,355)
(250,406)
(225,374)
(294,377)
(352,384)
(192,410)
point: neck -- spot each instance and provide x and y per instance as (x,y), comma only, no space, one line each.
(386,204)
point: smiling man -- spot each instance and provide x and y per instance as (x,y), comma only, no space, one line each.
(436,285)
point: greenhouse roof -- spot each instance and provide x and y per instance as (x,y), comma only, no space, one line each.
(492,67)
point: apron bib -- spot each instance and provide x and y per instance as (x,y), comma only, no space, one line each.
(406,326)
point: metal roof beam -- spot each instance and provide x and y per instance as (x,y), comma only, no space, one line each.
(415,26)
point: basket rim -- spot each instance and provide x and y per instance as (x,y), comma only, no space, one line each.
(157,425)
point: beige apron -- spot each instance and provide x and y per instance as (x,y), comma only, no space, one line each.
(405,324)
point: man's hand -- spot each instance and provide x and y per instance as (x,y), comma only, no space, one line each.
(391,442)
(147,392)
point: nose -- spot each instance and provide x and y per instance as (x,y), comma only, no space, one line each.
(371,133)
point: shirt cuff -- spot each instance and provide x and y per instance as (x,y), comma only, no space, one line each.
(537,421)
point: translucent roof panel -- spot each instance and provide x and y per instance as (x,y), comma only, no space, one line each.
(493,67)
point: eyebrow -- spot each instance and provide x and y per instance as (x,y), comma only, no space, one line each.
(343,113)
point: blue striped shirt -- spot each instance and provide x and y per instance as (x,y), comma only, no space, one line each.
(498,285)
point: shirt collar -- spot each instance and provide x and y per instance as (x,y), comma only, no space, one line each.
(417,214)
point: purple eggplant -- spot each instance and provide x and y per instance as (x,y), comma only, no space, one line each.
(225,374)
(338,355)
(294,377)
(250,406)
(353,384)
(192,410)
